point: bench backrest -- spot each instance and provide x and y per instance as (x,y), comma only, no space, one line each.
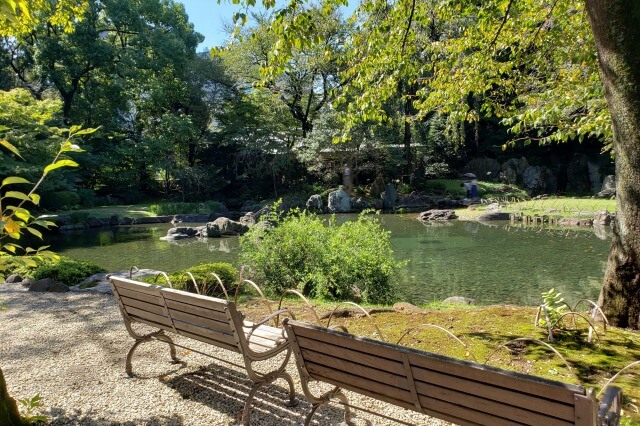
(454,390)
(207,319)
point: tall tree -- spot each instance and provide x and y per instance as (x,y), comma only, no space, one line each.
(616,30)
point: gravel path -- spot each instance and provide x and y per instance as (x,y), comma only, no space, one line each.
(70,349)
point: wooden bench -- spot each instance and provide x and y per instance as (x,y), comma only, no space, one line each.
(461,392)
(207,319)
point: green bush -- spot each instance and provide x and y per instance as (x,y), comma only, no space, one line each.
(65,270)
(167,209)
(60,200)
(353,261)
(206,283)
(88,197)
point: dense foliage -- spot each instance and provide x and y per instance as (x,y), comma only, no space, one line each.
(350,261)
(65,270)
(207,284)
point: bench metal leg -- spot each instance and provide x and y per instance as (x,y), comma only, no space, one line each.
(158,335)
(246,413)
(335,393)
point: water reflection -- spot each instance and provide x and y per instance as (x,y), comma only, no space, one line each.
(492,263)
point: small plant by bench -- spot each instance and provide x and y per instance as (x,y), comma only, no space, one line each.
(206,319)
(458,391)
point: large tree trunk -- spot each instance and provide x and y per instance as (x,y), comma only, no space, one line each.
(616,29)
(9,414)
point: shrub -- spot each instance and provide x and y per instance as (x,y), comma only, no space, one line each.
(60,200)
(88,197)
(206,283)
(65,270)
(166,209)
(350,261)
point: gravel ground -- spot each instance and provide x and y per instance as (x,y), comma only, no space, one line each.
(70,349)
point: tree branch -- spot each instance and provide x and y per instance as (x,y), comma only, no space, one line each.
(504,21)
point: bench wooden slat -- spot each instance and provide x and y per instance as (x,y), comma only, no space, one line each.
(145,297)
(145,306)
(351,380)
(199,321)
(196,310)
(535,386)
(147,317)
(233,348)
(378,351)
(366,371)
(205,333)
(192,299)
(351,350)
(494,407)
(150,289)
(266,332)
(429,382)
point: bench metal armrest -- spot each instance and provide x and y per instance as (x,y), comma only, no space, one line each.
(268,318)
(610,405)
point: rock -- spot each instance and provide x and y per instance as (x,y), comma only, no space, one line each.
(13,279)
(182,230)
(437,215)
(314,204)
(125,221)
(516,166)
(459,299)
(212,230)
(483,168)
(27,282)
(93,222)
(146,220)
(339,202)
(41,285)
(594,177)
(58,288)
(377,204)
(377,187)
(608,189)
(69,228)
(406,308)
(535,179)
(175,237)
(360,204)
(508,176)
(229,227)
(578,174)
(114,220)
(193,218)
(415,201)
(389,196)
(603,218)
(574,221)
(495,216)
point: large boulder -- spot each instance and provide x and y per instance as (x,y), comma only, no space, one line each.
(250,206)
(516,165)
(416,201)
(13,278)
(377,187)
(578,174)
(360,204)
(487,217)
(314,204)
(58,288)
(389,196)
(339,202)
(459,300)
(574,221)
(603,218)
(535,179)
(230,227)
(191,232)
(608,188)
(483,168)
(41,285)
(437,215)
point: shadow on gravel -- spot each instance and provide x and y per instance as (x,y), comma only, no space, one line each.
(225,390)
(60,417)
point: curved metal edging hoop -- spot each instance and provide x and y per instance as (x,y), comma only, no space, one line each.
(528,339)
(193,280)
(263,299)
(615,376)
(297,293)
(224,289)
(166,277)
(131,271)
(382,336)
(409,330)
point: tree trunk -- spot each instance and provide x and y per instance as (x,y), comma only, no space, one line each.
(616,30)
(9,414)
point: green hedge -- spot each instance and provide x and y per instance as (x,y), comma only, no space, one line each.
(353,261)
(206,283)
(60,200)
(166,209)
(66,270)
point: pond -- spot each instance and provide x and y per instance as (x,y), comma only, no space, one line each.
(492,264)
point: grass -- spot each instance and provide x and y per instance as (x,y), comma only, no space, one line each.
(132,210)
(483,329)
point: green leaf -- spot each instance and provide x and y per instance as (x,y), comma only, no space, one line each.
(10,147)
(13,180)
(58,164)
(35,198)
(34,232)
(86,131)
(17,194)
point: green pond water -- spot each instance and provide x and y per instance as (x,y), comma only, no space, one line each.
(492,264)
